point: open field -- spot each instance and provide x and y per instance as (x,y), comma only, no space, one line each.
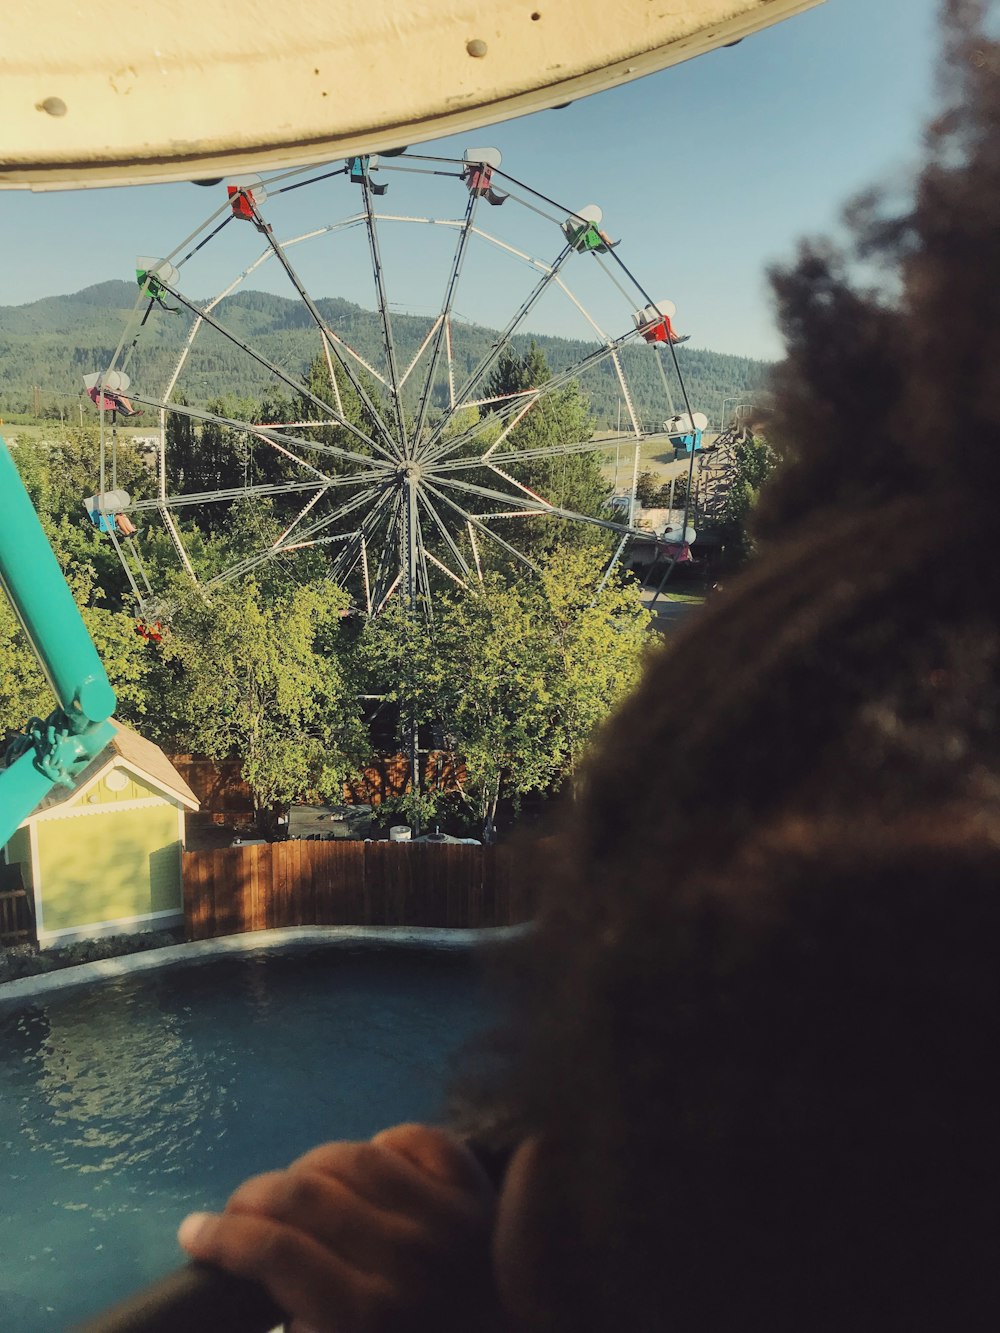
(52,430)
(656,455)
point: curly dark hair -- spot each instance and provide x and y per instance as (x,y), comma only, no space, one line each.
(758,1022)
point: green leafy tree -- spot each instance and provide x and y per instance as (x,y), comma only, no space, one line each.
(569,481)
(261,678)
(128,660)
(652,493)
(495,696)
(24,691)
(754,461)
(599,634)
(517,676)
(317,380)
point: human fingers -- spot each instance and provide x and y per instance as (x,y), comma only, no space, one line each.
(439,1154)
(357,1230)
(410,1170)
(413,1208)
(305,1279)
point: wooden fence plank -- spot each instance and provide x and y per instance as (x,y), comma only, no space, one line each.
(425,897)
(346,883)
(489,915)
(307,885)
(231,889)
(198,924)
(288,858)
(462,868)
(389,875)
(338,873)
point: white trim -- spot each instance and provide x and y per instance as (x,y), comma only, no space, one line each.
(115,759)
(181,846)
(108,807)
(125,925)
(36,876)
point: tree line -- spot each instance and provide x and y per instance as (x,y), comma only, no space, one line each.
(33,348)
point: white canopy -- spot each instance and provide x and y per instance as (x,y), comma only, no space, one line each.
(99,95)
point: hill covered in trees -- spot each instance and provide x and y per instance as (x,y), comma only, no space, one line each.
(53,342)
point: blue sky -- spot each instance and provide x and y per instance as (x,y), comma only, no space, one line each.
(707,172)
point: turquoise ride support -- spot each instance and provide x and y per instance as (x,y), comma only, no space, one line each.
(58,749)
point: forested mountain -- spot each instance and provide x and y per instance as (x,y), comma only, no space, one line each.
(52,343)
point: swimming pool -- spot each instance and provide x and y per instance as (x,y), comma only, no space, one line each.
(125,1105)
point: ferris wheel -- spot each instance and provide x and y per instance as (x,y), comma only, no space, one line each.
(408,460)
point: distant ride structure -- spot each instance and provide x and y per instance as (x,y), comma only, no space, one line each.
(406,467)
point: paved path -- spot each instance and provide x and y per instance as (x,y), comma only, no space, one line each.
(667,614)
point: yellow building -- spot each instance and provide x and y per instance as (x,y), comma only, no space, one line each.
(105,858)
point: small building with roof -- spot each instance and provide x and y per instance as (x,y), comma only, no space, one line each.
(105,858)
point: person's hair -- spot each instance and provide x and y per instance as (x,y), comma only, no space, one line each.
(757,1023)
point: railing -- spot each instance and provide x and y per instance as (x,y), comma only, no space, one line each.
(16,925)
(200,1299)
(193,1299)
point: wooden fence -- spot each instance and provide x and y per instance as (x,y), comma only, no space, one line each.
(236,889)
(16,923)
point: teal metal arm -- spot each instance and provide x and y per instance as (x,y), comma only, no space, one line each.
(58,749)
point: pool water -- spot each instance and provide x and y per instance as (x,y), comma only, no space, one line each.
(126,1105)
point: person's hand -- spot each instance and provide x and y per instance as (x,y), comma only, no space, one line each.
(389,1236)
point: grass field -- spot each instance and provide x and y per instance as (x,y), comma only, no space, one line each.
(53,430)
(656,455)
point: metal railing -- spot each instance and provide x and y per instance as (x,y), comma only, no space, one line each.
(193,1299)
(200,1299)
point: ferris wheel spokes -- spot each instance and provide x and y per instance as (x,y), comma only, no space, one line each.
(517,405)
(252,562)
(539,506)
(474,521)
(445,316)
(402,444)
(505,336)
(336,418)
(449,541)
(270,433)
(391,446)
(232,493)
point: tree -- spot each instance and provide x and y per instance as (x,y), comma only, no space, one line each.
(352,409)
(599,632)
(517,676)
(569,481)
(753,462)
(262,679)
(494,696)
(24,691)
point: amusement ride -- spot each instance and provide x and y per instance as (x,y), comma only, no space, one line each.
(406,461)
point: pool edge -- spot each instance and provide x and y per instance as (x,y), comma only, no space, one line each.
(80,974)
